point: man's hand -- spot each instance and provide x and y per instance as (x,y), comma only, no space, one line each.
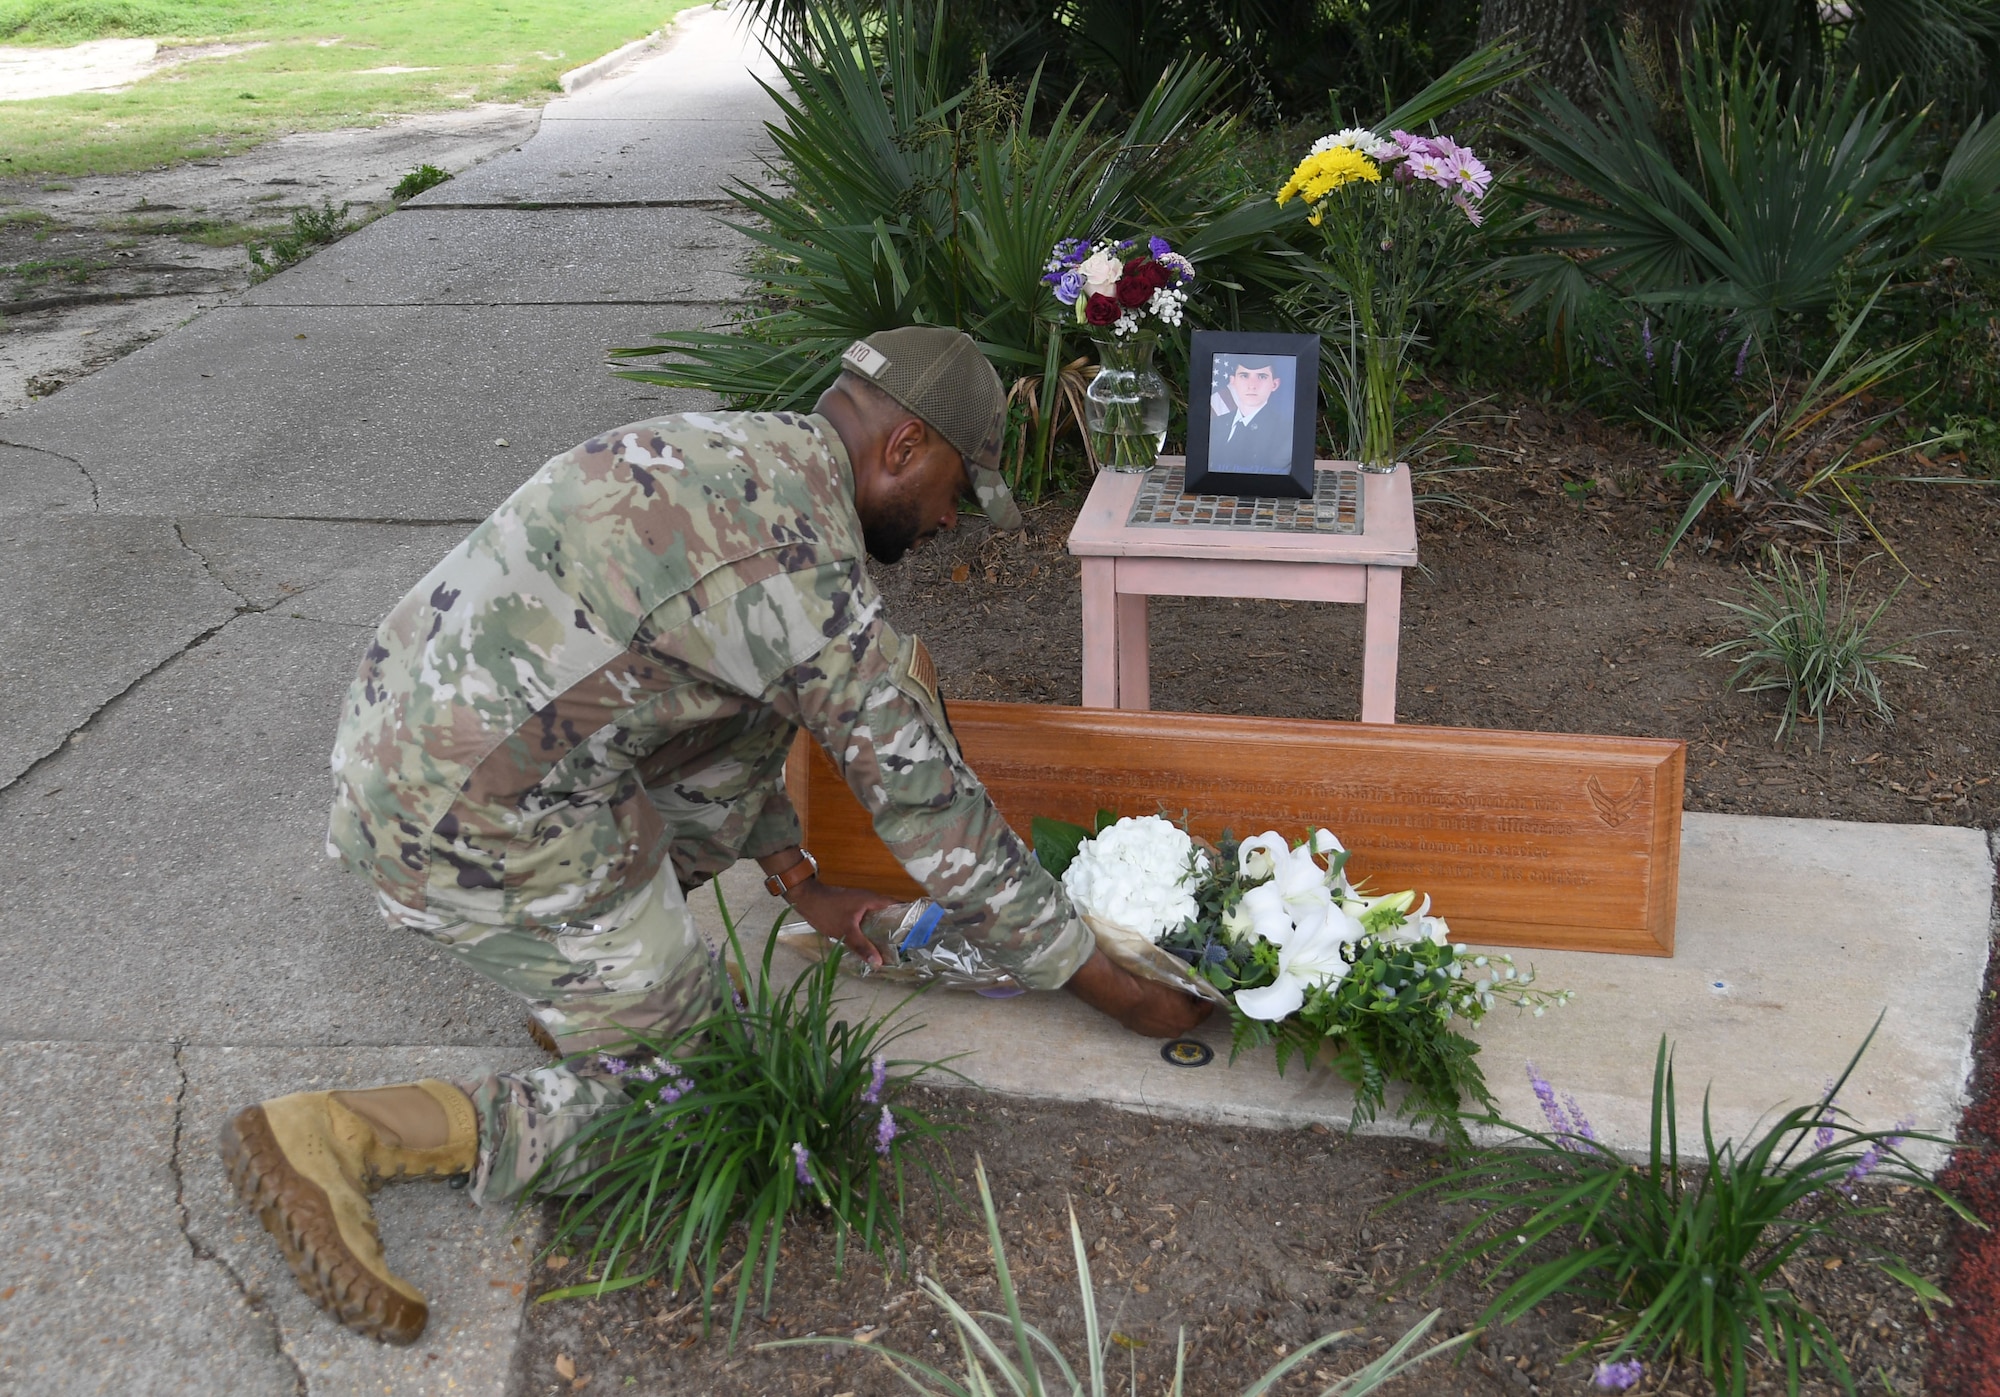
(1144,1006)
(836,913)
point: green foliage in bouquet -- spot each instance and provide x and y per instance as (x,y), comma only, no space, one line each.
(989,1369)
(1379,1000)
(771,1107)
(1682,1257)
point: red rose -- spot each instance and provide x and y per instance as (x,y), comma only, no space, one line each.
(1148,271)
(1100,310)
(1133,291)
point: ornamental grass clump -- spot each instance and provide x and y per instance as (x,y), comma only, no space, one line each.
(1009,1363)
(771,1108)
(1683,1259)
(1811,642)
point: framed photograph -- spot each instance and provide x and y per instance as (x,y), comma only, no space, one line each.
(1253,407)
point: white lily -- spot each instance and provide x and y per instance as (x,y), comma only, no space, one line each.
(1256,857)
(1296,898)
(1309,959)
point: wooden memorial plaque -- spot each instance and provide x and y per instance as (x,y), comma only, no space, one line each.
(1521,839)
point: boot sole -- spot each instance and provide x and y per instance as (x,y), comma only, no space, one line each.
(299,1217)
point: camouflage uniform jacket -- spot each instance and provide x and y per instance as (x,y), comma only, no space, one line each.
(607,674)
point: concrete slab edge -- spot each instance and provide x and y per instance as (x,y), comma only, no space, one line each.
(576,79)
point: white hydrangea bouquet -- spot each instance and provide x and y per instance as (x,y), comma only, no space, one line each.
(1303,959)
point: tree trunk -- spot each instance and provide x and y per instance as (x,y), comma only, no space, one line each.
(1552,33)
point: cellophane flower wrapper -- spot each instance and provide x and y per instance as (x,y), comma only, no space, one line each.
(916,947)
(949,961)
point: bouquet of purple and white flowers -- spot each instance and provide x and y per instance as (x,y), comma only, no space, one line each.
(1390,246)
(1119,285)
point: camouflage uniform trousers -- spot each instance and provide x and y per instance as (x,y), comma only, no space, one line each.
(642,967)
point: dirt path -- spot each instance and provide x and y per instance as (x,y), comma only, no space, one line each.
(91,269)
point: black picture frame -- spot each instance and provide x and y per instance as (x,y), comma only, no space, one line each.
(1259,456)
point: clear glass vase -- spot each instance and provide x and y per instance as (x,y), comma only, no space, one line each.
(1382,386)
(1126,405)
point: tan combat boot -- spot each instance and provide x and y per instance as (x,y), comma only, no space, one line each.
(307,1162)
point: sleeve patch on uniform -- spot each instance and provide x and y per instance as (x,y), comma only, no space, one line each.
(921,670)
(916,675)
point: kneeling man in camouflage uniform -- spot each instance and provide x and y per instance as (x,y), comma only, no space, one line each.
(584,711)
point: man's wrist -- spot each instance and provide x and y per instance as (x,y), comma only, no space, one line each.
(785,875)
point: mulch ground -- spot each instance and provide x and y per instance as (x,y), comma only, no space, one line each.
(1248,1242)
(1538,607)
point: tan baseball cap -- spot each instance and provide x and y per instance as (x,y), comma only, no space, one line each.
(940,374)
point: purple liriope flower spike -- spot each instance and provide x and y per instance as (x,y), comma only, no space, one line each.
(873,1096)
(1646,337)
(1743,356)
(614,1065)
(1823,1137)
(1551,1109)
(1579,1123)
(1873,1156)
(1616,1377)
(885,1133)
(799,1166)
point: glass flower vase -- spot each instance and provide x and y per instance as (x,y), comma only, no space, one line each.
(1382,385)
(1126,405)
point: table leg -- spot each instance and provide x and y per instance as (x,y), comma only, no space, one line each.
(1100,634)
(1134,686)
(1378,655)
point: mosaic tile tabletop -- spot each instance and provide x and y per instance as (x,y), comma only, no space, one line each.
(1335,507)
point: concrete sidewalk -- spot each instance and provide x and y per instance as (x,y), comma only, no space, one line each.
(195,544)
(198,541)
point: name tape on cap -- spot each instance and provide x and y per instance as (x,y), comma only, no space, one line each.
(865,357)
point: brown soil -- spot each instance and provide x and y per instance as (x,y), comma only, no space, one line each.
(1548,614)
(1249,1242)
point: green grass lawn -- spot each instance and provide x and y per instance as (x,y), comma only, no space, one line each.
(306,69)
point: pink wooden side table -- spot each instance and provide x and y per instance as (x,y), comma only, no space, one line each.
(1123,564)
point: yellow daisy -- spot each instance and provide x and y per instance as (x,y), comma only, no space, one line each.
(1319,175)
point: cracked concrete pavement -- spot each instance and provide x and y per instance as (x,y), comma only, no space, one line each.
(196,542)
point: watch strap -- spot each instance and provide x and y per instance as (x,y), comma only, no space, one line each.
(780,885)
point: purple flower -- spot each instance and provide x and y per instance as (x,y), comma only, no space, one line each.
(1646,337)
(1159,247)
(616,1066)
(873,1096)
(1873,1157)
(1616,1377)
(1742,356)
(1069,285)
(1823,1137)
(885,1132)
(1468,172)
(799,1157)
(1551,1108)
(675,1086)
(1570,1130)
